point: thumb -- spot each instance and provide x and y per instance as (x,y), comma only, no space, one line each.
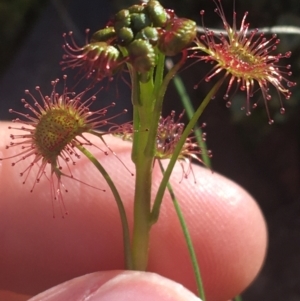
(118,286)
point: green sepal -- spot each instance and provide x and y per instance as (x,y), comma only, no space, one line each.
(178,35)
(121,15)
(139,21)
(142,55)
(104,35)
(122,19)
(125,36)
(148,33)
(106,59)
(136,9)
(157,13)
(102,49)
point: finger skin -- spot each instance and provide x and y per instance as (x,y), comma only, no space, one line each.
(118,286)
(11,296)
(38,252)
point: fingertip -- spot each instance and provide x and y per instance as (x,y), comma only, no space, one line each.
(12,296)
(227,229)
(118,286)
(226,225)
(143,286)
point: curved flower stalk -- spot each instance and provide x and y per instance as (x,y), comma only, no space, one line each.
(51,135)
(247,59)
(188,239)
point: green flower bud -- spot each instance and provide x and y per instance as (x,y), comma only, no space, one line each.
(178,34)
(97,60)
(121,15)
(102,59)
(142,55)
(104,35)
(157,13)
(148,33)
(139,21)
(122,19)
(125,36)
(136,9)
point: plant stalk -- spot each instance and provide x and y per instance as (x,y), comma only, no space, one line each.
(187,237)
(125,228)
(185,134)
(143,179)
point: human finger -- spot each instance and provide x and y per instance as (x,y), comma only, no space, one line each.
(117,286)
(226,225)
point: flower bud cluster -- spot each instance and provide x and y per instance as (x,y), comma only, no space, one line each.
(135,35)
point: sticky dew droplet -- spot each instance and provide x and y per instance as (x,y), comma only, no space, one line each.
(282,111)
(228,104)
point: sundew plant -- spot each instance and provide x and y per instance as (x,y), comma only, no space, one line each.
(134,47)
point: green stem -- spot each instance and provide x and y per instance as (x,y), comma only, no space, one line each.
(135,99)
(141,230)
(159,72)
(125,228)
(187,104)
(188,239)
(158,104)
(143,178)
(144,99)
(177,150)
